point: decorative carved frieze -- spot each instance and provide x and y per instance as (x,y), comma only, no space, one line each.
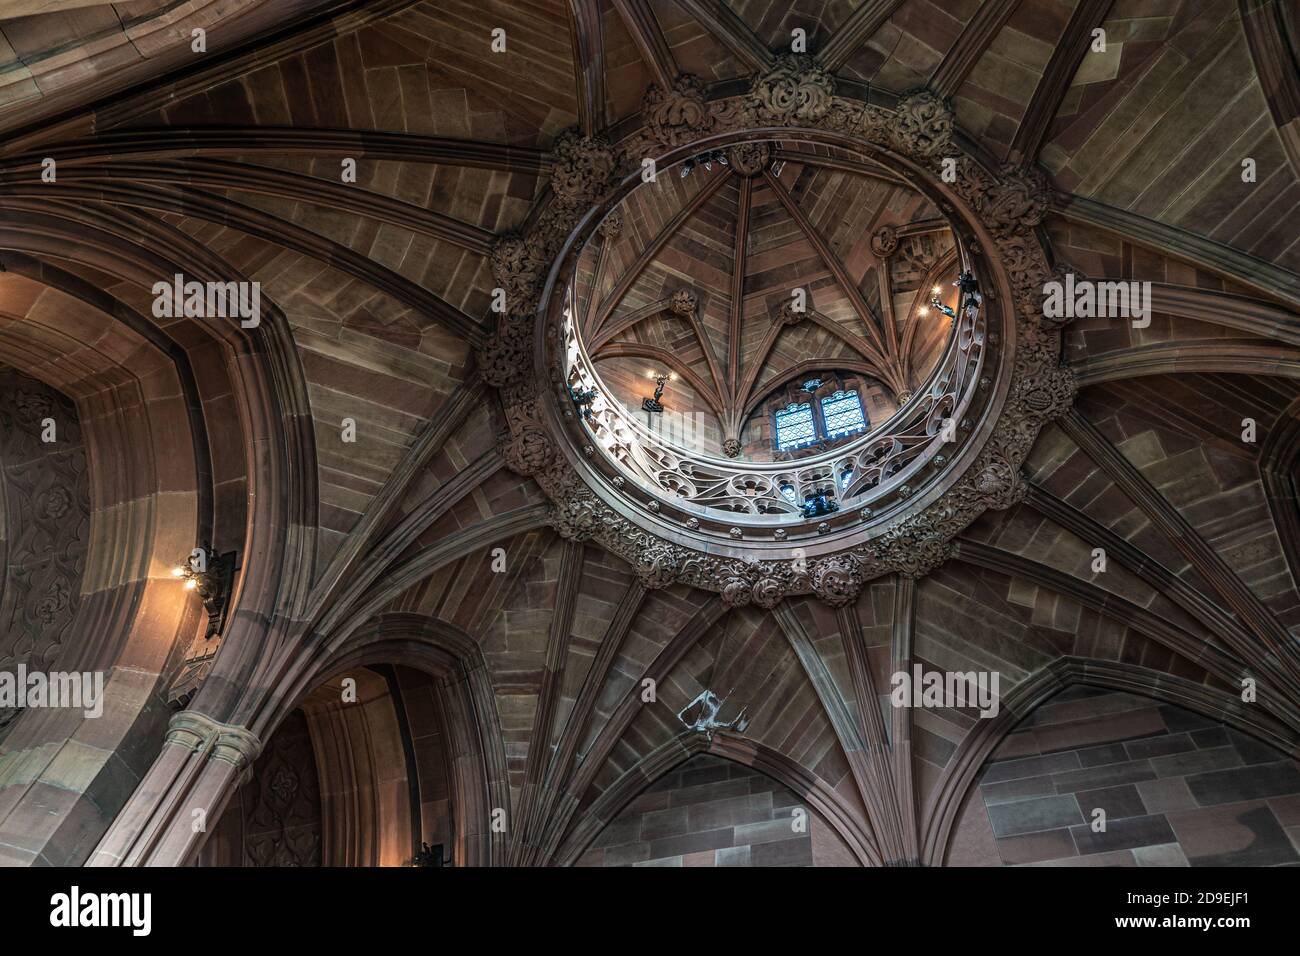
(582,171)
(837,579)
(678,115)
(1032,291)
(794,92)
(922,125)
(657,564)
(517,265)
(1014,200)
(583,166)
(773,585)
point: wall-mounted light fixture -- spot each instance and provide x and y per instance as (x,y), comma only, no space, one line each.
(968,284)
(661,379)
(937,303)
(430,856)
(704,159)
(212,575)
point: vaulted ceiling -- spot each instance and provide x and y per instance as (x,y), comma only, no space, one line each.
(738,246)
(228,165)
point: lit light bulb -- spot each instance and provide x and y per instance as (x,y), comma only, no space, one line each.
(923,310)
(178,572)
(191,584)
(672,376)
(935,290)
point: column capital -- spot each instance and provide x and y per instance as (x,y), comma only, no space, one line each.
(229,742)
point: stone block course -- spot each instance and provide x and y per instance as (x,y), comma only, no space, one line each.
(1178,790)
(712,812)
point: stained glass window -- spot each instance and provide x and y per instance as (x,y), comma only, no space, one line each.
(843,415)
(795,427)
(788,493)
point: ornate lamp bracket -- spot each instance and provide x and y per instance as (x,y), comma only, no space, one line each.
(212,576)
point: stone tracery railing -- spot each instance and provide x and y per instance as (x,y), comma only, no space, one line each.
(882,461)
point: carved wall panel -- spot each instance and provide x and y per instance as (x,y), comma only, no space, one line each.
(45,497)
(281,805)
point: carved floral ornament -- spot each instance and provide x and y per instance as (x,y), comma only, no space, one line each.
(677,115)
(884,242)
(749,159)
(683,303)
(1009,202)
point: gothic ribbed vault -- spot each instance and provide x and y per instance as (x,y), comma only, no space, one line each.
(387,455)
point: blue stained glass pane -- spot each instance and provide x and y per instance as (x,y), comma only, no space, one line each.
(842,413)
(795,427)
(788,493)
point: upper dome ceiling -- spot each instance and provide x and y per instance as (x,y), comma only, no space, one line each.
(697,276)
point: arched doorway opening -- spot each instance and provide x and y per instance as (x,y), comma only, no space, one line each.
(356,775)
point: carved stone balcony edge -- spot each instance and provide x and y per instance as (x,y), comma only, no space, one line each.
(887,465)
(1006,205)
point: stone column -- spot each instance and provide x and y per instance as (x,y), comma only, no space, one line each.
(202,764)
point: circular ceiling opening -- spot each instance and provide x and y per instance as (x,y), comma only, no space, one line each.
(687,287)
